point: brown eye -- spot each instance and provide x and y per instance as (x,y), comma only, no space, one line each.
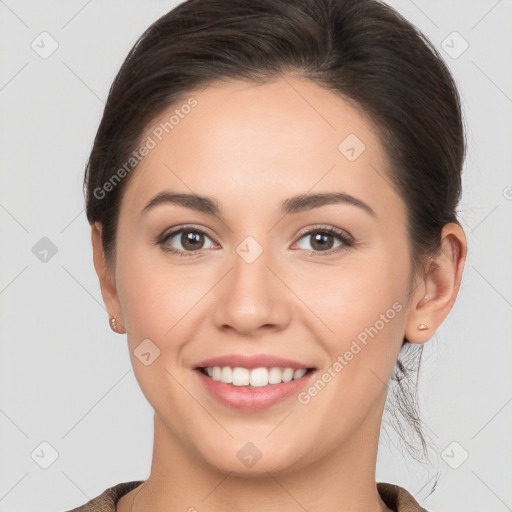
(191,240)
(185,241)
(323,240)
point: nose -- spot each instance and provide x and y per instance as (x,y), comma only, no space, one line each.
(253,297)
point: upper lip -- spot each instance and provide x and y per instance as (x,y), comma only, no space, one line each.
(255,361)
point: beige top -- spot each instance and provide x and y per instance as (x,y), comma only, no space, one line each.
(394,496)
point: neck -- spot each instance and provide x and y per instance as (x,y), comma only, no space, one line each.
(340,481)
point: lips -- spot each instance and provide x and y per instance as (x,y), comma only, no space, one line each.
(252,382)
(256,361)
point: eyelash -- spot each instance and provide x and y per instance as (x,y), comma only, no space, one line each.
(341,235)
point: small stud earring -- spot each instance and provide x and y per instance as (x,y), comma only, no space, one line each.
(423,327)
(113,324)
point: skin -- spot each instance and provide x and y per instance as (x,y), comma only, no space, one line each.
(250,146)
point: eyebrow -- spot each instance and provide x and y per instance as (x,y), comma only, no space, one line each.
(291,205)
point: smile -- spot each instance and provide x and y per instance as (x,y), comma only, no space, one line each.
(255,377)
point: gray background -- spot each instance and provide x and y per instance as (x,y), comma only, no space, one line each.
(66,379)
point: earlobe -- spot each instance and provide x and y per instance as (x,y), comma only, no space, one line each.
(436,294)
(106,278)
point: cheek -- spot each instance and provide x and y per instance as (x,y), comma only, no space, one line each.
(338,301)
(157,302)
(154,294)
(347,298)
(362,306)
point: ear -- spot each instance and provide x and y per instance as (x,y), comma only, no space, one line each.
(435,294)
(106,277)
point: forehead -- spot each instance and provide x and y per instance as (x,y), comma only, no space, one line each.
(242,141)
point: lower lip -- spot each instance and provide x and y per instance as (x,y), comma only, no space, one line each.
(252,398)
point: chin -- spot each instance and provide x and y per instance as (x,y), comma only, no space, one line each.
(252,459)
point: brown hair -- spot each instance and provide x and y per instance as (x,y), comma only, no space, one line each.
(362,50)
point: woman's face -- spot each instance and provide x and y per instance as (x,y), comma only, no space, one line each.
(261,277)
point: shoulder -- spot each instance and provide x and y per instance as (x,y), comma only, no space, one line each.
(394,496)
(398,498)
(107,500)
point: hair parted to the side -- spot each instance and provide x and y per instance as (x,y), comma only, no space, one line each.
(362,50)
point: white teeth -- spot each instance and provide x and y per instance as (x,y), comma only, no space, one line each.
(287,374)
(257,377)
(299,373)
(274,376)
(226,375)
(240,377)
